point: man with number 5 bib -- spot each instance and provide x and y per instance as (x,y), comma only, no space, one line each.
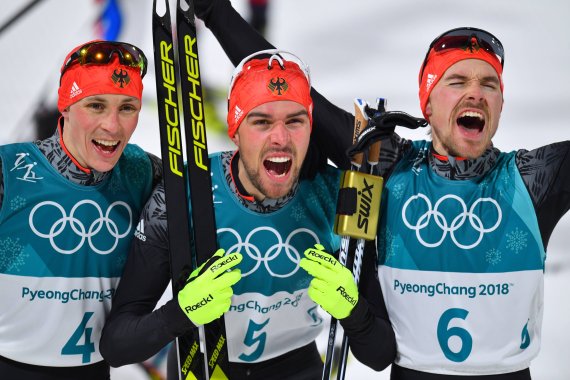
(271,203)
(69,206)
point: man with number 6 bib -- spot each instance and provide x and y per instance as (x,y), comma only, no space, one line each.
(464,227)
(69,206)
(271,203)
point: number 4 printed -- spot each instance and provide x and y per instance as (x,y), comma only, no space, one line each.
(72,347)
(250,339)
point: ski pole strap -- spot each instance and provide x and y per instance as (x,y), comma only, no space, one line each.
(382,125)
(391,119)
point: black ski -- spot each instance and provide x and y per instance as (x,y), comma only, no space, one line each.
(174,62)
(201,198)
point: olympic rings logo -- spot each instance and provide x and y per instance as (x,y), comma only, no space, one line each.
(79,229)
(291,256)
(457,222)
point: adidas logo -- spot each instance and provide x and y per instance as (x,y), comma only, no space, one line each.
(139,231)
(430,79)
(75,90)
(238,113)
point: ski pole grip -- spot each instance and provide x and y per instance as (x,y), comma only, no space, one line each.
(374,153)
(360,122)
(374,150)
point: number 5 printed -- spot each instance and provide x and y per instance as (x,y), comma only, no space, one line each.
(315,317)
(251,339)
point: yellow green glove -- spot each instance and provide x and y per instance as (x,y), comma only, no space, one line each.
(333,286)
(208,291)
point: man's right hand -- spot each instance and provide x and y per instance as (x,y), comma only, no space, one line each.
(208,291)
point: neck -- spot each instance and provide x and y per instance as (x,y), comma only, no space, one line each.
(67,152)
(235,173)
(459,168)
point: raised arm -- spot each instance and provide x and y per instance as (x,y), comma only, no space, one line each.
(545,172)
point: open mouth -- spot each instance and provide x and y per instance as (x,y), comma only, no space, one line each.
(107,146)
(277,166)
(472,121)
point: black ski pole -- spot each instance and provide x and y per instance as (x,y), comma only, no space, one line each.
(373,159)
(344,228)
(19,15)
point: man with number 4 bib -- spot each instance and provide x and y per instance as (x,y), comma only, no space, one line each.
(69,206)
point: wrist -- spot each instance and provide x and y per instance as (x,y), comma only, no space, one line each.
(357,315)
(349,298)
(174,319)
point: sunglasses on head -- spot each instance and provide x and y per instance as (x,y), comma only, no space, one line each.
(466,39)
(101,53)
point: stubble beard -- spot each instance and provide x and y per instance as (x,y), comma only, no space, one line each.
(271,192)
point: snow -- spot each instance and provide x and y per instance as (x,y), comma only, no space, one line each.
(365,49)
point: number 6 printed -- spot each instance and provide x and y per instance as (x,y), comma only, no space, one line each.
(444,333)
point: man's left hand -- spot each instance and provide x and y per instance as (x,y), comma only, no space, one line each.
(333,286)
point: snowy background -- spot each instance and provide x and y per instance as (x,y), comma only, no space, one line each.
(362,48)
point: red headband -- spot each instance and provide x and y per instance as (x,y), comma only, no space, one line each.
(80,81)
(258,83)
(439,62)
